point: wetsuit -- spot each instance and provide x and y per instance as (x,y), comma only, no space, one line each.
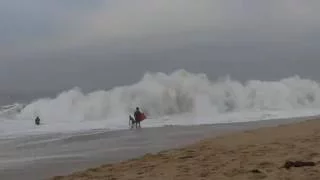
(37,121)
(137,116)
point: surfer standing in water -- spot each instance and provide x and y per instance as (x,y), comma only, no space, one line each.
(37,121)
(138,117)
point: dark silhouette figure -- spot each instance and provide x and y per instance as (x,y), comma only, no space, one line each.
(37,121)
(137,117)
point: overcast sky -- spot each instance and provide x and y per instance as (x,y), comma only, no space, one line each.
(53,45)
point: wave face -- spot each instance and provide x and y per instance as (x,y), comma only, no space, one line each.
(181,92)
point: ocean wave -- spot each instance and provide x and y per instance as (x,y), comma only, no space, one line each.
(160,94)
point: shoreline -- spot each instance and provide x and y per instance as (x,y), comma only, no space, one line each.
(250,154)
(105,130)
(46,156)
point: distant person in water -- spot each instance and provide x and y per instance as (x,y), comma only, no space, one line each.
(37,121)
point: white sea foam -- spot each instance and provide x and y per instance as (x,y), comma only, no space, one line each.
(178,98)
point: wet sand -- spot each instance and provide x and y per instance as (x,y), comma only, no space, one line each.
(252,154)
(45,156)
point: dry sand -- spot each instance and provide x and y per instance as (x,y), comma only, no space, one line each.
(254,154)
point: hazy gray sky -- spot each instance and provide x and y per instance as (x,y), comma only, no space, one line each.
(80,42)
(37,26)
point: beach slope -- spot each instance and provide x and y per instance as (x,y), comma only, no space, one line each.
(253,154)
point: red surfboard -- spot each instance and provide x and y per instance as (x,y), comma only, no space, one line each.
(142,117)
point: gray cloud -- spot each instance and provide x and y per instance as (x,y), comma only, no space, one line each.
(55,45)
(42,26)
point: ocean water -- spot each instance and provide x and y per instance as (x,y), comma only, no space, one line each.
(178,98)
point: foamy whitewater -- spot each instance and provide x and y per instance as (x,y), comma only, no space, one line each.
(180,98)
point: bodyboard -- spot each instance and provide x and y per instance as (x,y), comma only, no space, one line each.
(142,117)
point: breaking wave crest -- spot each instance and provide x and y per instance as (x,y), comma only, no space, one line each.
(160,94)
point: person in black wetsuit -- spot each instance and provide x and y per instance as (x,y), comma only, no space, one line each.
(37,121)
(137,116)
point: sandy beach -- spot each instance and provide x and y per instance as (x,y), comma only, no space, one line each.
(252,154)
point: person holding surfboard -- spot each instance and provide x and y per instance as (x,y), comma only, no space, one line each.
(138,116)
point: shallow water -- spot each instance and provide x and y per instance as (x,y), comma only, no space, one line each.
(42,156)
